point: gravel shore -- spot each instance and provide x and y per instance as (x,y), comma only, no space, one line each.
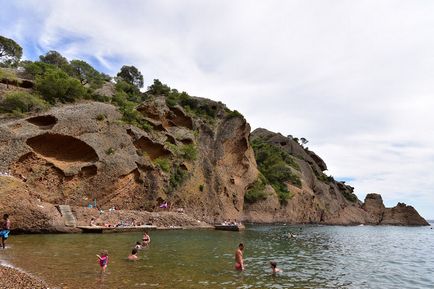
(11,278)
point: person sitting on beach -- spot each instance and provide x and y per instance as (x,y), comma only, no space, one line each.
(274,268)
(146,239)
(133,255)
(164,205)
(138,246)
(239,262)
(6,226)
(92,222)
(103,260)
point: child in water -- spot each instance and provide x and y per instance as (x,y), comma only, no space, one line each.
(274,268)
(133,255)
(103,260)
(138,246)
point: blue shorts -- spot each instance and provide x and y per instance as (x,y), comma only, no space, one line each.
(4,234)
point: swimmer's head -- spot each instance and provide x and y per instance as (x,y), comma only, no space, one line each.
(273,264)
(134,251)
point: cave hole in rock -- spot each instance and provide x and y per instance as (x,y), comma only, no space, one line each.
(43,121)
(62,148)
(89,171)
(154,150)
(178,118)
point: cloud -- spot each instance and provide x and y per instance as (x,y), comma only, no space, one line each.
(354,77)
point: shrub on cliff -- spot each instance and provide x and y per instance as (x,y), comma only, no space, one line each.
(129,113)
(18,102)
(55,85)
(177,177)
(191,104)
(275,165)
(189,152)
(350,196)
(256,192)
(163,163)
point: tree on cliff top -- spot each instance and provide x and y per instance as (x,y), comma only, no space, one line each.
(10,51)
(54,58)
(84,72)
(131,75)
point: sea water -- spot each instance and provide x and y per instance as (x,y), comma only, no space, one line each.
(317,257)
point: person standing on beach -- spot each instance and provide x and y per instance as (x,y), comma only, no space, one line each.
(103,260)
(6,226)
(239,262)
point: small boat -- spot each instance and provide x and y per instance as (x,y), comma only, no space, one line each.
(229,227)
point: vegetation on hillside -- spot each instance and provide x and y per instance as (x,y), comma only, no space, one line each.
(275,165)
(256,191)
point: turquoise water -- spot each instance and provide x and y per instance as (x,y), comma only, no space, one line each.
(319,257)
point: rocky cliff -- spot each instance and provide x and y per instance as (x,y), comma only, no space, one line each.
(76,154)
(311,196)
(202,164)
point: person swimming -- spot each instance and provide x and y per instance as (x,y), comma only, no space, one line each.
(133,255)
(239,262)
(274,268)
(103,260)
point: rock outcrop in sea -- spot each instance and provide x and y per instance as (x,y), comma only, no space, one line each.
(203,165)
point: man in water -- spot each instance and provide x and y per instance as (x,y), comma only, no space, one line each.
(239,262)
(6,226)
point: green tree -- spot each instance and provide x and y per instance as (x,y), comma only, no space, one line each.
(133,93)
(37,68)
(131,75)
(10,51)
(158,88)
(84,72)
(54,58)
(55,85)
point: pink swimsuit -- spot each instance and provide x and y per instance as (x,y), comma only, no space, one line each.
(103,261)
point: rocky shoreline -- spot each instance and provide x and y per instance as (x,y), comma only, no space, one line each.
(12,278)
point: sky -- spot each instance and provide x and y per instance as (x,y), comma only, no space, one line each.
(355,78)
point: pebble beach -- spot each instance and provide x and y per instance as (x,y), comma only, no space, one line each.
(15,279)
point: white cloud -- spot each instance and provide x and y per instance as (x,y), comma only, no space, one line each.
(354,77)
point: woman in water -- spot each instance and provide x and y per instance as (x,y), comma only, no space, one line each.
(146,239)
(103,260)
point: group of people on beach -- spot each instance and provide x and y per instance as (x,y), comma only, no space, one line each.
(103,257)
(120,224)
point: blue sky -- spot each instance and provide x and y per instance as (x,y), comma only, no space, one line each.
(353,77)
